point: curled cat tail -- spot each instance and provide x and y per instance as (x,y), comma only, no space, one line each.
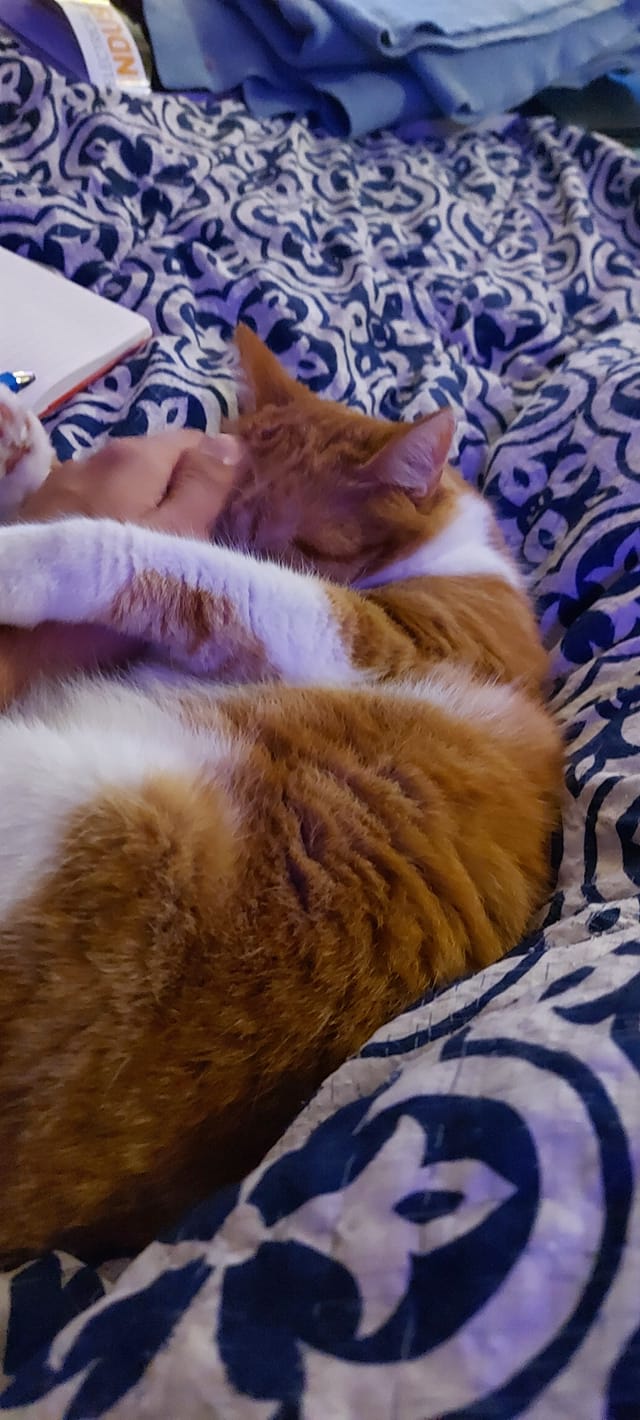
(145,873)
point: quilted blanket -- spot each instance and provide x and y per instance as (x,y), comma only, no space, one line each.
(452,1227)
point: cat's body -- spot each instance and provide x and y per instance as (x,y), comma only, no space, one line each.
(218,877)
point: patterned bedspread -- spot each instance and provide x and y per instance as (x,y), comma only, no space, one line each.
(452,1228)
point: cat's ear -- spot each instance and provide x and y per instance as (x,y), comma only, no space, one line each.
(267,382)
(414,459)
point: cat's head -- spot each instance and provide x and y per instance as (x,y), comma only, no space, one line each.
(325,488)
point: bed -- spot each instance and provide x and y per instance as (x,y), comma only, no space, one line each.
(452,1226)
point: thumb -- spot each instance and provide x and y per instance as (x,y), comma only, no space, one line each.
(200,485)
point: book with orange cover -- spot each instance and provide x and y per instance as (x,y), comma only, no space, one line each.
(84,39)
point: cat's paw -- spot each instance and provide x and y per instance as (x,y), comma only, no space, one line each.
(25,453)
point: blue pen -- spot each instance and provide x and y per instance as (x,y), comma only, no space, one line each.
(16,380)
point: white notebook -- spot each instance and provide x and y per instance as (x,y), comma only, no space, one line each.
(63,333)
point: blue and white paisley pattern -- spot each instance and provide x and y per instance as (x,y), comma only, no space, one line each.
(452,1227)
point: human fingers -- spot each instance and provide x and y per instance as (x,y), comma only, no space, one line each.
(202,481)
(125,479)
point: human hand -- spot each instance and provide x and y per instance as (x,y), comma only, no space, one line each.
(175,482)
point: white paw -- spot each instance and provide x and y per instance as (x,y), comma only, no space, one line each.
(25,453)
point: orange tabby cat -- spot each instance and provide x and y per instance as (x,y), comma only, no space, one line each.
(333,789)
